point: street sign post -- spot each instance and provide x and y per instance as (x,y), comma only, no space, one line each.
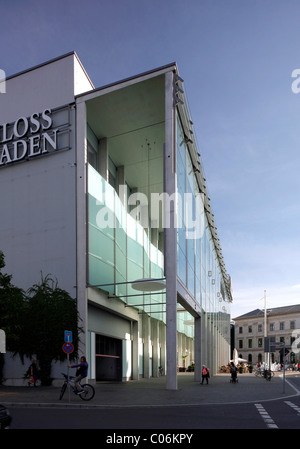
(68,337)
(68,348)
(280,345)
(276,345)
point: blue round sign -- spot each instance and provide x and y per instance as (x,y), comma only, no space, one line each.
(68,348)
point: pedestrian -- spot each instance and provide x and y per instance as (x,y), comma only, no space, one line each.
(233,372)
(205,374)
(81,373)
(33,372)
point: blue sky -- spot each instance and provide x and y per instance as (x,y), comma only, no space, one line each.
(236,58)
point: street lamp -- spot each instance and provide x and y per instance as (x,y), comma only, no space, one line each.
(265,321)
(267,341)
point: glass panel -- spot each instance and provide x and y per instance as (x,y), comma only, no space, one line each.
(119,249)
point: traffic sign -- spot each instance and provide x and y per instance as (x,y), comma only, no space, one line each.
(276,345)
(68,337)
(68,348)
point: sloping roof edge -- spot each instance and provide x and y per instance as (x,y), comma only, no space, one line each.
(295,308)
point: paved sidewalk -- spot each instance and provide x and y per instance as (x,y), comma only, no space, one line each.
(152,392)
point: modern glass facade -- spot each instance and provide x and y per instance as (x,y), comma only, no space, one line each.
(126,174)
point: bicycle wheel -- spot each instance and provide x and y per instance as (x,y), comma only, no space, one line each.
(267,374)
(62,391)
(89,392)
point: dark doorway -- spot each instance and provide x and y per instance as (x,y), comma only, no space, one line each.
(108,358)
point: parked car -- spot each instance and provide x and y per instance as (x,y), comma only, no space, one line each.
(5,418)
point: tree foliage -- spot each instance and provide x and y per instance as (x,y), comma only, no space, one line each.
(35,321)
(50,311)
(12,302)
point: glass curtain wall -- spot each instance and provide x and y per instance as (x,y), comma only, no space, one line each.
(198,263)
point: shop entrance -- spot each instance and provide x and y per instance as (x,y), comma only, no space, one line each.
(108,358)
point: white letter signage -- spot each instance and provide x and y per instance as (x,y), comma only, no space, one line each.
(28,137)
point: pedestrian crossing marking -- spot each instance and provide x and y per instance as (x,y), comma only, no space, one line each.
(293,406)
(266,417)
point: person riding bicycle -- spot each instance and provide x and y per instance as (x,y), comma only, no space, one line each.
(81,373)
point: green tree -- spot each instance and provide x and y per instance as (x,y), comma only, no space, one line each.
(49,311)
(11,309)
(34,322)
(11,313)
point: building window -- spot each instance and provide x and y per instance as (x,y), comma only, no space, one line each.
(240,330)
(92,156)
(250,343)
(259,328)
(240,344)
(260,342)
(292,324)
(272,327)
(281,339)
(111,180)
(250,329)
(281,326)
(112,173)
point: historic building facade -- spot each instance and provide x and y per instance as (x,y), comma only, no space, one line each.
(281,327)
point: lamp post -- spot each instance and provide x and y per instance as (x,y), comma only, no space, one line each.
(265,321)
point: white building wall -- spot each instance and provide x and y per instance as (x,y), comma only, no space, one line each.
(38,196)
(49,85)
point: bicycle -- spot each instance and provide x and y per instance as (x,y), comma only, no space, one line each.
(258,372)
(86,395)
(268,374)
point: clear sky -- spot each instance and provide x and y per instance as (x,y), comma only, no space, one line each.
(236,58)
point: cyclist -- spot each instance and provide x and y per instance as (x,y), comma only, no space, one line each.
(81,373)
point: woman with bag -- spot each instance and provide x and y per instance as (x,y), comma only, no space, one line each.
(205,374)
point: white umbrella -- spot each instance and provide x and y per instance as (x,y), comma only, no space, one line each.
(236,359)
